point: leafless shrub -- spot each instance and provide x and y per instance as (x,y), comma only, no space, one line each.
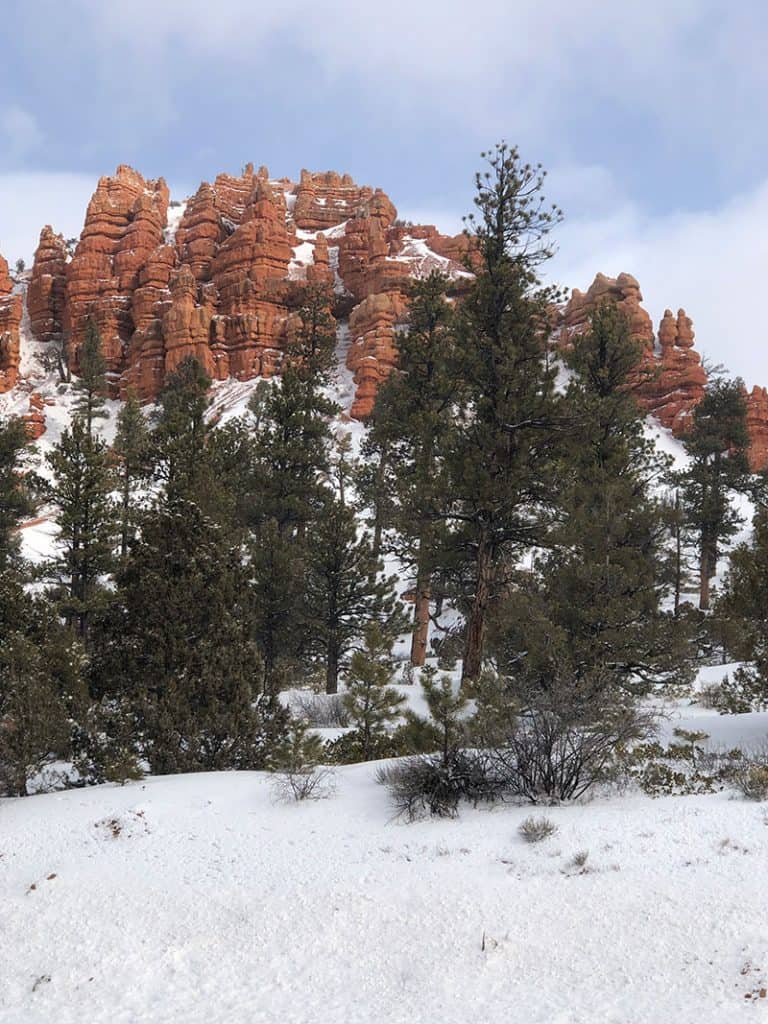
(535,830)
(751,775)
(711,696)
(320,710)
(578,865)
(556,754)
(308,784)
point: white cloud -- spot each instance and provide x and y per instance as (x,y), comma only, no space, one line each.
(20,132)
(712,262)
(529,66)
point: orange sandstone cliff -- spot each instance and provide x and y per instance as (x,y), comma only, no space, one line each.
(217,277)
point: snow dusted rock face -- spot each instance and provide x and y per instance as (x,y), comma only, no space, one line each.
(10,321)
(681,379)
(217,277)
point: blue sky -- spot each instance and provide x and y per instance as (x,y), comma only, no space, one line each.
(650,117)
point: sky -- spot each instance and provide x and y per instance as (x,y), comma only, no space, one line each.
(650,119)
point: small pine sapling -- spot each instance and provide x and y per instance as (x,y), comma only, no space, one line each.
(370,701)
(296,764)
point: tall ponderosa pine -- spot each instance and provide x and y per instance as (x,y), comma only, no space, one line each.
(132,449)
(344,591)
(607,568)
(411,422)
(502,454)
(717,445)
(83,481)
(91,385)
(293,437)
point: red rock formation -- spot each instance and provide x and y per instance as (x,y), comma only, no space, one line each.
(224,286)
(680,380)
(677,378)
(123,225)
(326,199)
(757,425)
(200,232)
(624,290)
(47,286)
(10,322)
(373,353)
(35,418)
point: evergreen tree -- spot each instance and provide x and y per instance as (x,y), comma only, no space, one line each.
(180,436)
(15,498)
(34,729)
(717,445)
(446,707)
(178,642)
(343,590)
(313,345)
(502,453)
(292,453)
(36,675)
(91,386)
(132,449)
(370,700)
(607,568)
(277,588)
(81,488)
(412,421)
(741,615)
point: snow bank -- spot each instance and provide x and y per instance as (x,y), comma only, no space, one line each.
(197,899)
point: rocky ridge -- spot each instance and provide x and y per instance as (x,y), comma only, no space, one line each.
(218,276)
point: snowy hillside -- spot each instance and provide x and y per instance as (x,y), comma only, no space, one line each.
(199,899)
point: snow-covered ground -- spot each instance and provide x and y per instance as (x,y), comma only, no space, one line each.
(200,899)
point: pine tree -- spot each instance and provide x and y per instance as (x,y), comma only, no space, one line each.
(717,446)
(91,386)
(741,615)
(178,641)
(34,730)
(276,568)
(607,568)
(132,448)
(313,345)
(370,700)
(412,422)
(343,590)
(446,707)
(503,484)
(180,437)
(34,687)
(292,453)
(15,498)
(81,488)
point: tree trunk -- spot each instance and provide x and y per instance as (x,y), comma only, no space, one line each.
(678,555)
(473,650)
(704,580)
(126,501)
(332,669)
(420,634)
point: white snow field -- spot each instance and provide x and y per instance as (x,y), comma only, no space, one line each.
(199,899)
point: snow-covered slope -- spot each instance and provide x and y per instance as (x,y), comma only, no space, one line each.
(197,899)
